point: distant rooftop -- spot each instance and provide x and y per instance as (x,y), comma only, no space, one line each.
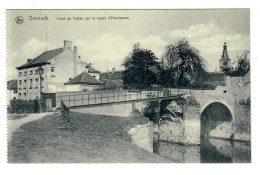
(83,78)
(12,85)
(91,69)
(113,75)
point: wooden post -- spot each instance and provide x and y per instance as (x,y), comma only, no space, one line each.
(125,95)
(118,96)
(95,98)
(101,98)
(82,99)
(113,96)
(107,97)
(69,100)
(88,99)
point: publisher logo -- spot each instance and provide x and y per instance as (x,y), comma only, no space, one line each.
(19,20)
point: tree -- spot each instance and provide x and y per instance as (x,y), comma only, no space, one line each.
(140,68)
(242,65)
(182,64)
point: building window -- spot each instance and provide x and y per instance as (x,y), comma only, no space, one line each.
(19,94)
(24,85)
(24,94)
(25,73)
(20,74)
(15,91)
(36,71)
(20,82)
(31,81)
(52,69)
(31,72)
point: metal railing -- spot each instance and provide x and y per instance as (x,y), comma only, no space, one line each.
(64,110)
(96,98)
(73,99)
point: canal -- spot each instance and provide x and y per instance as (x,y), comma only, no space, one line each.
(211,150)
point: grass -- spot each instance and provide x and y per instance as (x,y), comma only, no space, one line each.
(91,139)
(16,116)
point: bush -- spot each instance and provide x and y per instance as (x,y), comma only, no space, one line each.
(150,111)
(23,106)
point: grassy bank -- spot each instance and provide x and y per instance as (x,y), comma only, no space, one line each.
(16,116)
(92,138)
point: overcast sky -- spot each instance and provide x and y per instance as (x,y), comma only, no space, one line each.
(105,43)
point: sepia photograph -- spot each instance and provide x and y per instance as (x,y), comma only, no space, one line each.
(128,86)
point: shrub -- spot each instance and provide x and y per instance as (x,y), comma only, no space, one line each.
(23,106)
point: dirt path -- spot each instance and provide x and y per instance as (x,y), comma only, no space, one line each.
(13,125)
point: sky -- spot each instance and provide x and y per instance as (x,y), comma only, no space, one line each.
(106,42)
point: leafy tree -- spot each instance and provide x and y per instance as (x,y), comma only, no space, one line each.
(182,64)
(141,69)
(242,65)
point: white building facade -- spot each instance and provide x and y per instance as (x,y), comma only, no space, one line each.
(59,66)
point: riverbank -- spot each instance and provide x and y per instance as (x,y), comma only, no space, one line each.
(90,139)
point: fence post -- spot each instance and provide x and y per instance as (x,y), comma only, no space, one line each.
(118,96)
(95,98)
(107,97)
(69,100)
(125,96)
(82,99)
(113,96)
(88,99)
(101,98)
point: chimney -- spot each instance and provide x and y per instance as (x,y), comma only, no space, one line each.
(67,44)
(75,60)
(28,60)
(113,69)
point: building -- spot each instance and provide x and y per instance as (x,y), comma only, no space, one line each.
(215,78)
(11,91)
(83,82)
(92,71)
(224,62)
(112,79)
(59,66)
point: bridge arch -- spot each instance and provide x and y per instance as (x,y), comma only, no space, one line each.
(228,106)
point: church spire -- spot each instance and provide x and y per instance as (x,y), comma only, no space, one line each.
(224,62)
(225,54)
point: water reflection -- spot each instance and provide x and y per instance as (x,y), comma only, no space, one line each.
(211,150)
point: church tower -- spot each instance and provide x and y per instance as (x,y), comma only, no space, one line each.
(224,62)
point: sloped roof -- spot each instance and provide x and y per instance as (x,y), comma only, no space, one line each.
(12,85)
(104,75)
(115,75)
(42,59)
(83,78)
(92,70)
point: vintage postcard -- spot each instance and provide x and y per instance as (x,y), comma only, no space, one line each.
(128,86)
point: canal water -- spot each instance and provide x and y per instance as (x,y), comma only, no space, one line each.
(211,150)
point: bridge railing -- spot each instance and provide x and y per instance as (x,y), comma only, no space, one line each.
(94,98)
